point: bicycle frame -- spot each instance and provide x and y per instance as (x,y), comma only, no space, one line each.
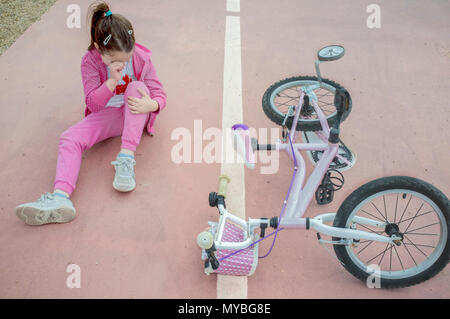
(300,194)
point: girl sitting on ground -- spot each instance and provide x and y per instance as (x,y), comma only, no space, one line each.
(123,96)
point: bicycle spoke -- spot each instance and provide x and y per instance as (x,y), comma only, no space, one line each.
(423,234)
(285,99)
(416,246)
(282,94)
(420,245)
(285,103)
(326,94)
(297,89)
(291,88)
(405,210)
(377,255)
(385,219)
(410,254)
(375,232)
(399,258)
(379,263)
(405,220)
(373,215)
(414,217)
(422,227)
(385,210)
(371,241)
(324,104)
(396,203)
(291,98)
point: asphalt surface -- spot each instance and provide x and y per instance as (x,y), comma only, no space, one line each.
(142,244)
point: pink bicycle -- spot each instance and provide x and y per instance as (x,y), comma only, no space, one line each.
(393,227)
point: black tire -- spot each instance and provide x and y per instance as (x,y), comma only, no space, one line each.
(302,125)
(385,184)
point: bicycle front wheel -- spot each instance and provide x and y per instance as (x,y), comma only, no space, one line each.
(414,210)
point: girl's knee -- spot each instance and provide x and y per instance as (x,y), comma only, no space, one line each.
(70,137)
(66,135)
(132,89)
(136,84)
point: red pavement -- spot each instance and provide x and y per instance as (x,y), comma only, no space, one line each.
(142,244)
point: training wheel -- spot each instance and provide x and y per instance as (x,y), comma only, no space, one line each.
(331,53)
(205,240)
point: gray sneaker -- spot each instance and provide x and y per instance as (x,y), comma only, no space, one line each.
(124,180)
(48,209)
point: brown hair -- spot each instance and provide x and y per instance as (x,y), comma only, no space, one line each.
(115,26)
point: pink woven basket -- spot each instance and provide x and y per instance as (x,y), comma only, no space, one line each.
(242,263)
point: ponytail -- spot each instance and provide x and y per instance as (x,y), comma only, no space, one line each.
(111,32)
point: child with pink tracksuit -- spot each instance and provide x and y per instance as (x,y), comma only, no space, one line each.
(123,97)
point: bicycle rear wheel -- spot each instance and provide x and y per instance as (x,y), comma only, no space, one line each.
(279,96)
(416,211)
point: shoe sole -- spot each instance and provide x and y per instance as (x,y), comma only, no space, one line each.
(123,187)
(28,215)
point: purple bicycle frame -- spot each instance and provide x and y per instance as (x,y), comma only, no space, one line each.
(296,205)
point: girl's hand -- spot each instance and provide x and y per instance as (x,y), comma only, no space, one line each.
(115,70)
(142,105)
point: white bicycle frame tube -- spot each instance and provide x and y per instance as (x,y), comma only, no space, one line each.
(248,228)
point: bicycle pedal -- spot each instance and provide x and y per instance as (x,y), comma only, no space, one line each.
(324,194)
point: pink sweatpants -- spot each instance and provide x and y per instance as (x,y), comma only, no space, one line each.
(96,127)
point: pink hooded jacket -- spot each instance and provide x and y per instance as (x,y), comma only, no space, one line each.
(94,75)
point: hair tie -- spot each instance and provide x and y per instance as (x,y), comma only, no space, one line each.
(108,13)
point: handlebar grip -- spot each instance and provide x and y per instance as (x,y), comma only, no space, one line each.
(223,181)
(243,144)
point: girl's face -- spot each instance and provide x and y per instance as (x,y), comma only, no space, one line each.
(115,56)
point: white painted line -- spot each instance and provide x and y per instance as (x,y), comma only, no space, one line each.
(233,6)
(232,286)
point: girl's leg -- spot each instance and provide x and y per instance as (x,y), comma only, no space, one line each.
(134,124)
(74,141)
